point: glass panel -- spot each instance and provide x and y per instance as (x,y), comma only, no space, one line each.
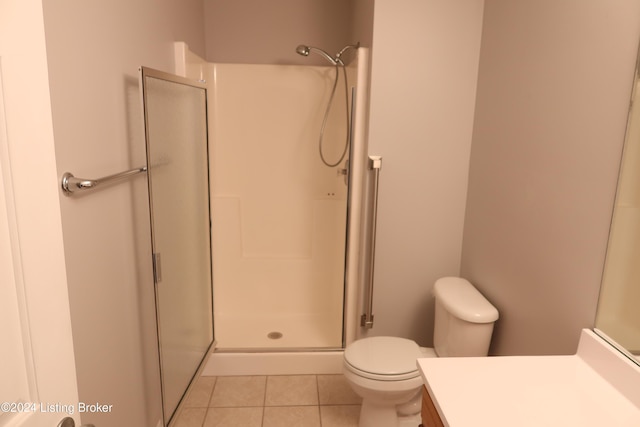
(618,315)
(176,129)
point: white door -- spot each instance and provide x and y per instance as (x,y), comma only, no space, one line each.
(37,369)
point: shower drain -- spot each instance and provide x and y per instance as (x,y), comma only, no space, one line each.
(274,335)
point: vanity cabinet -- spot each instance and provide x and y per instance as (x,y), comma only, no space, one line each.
(597,386)
(430,416)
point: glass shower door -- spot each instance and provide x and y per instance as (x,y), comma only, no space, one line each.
(176,140)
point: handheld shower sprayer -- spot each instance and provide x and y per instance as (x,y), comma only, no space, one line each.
(337,62)
(306,50)
(303,50)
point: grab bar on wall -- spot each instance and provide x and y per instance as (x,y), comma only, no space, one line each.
(375,162)
(71,184)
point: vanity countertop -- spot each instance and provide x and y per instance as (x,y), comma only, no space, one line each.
(597,386)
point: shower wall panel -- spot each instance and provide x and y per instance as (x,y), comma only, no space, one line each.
(279,214)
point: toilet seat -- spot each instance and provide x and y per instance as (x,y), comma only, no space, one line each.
(383,358)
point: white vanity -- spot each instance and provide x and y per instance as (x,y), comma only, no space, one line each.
(598,386)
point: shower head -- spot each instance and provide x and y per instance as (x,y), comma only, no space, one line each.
(305,50)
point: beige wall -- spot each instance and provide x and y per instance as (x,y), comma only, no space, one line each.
(259,32)
(553,91)
(423,84)
(94,50)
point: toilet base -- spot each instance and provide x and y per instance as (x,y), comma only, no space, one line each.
(381,415)
(410,421)
(378,415)
(386,417)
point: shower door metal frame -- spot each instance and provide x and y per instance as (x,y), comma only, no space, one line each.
(145,72)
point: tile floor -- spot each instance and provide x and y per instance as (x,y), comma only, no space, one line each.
(270,401)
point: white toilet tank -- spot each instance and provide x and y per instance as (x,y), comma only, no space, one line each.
(464,319)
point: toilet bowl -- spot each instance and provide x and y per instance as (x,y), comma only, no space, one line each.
(383,370)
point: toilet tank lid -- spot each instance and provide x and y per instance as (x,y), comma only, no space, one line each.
(463,300)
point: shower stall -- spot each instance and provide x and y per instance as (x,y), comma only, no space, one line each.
(285,200)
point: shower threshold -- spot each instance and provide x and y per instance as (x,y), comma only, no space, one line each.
(294,362)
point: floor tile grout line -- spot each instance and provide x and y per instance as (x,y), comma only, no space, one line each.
(206,414)
(264,399)
(318,396)
(215,384)
(291,405)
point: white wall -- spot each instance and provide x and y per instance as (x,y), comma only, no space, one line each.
(553,92)
(423,84)
(94,50)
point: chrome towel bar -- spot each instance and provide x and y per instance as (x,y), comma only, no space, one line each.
(71,184)
(375,163)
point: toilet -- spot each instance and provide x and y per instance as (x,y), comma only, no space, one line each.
(383,370)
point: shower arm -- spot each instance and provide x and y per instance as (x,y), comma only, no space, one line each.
(344,49)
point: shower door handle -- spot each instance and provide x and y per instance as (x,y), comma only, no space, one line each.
(375,163)
(157,268)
